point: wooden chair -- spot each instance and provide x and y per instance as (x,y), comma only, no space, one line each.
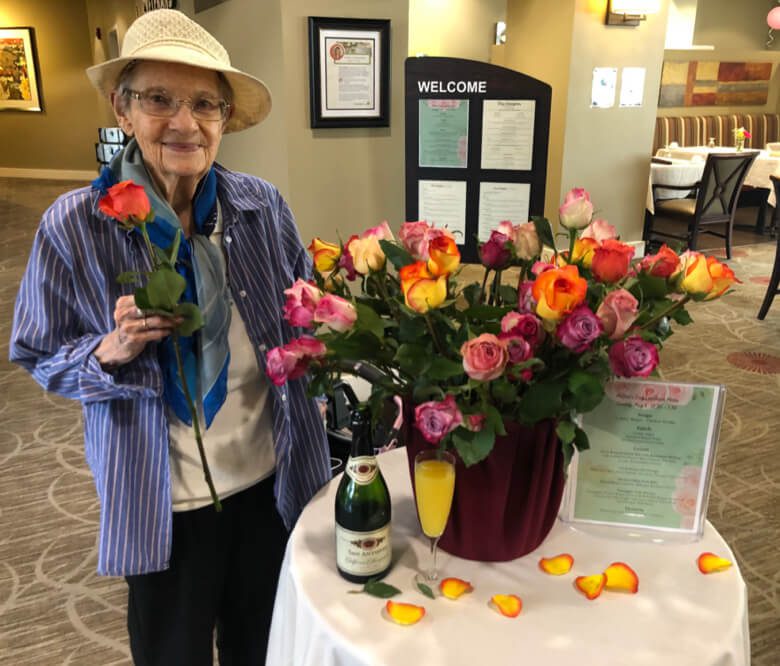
(772,290)
(714,204)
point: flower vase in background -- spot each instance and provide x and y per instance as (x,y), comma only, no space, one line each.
(740,134)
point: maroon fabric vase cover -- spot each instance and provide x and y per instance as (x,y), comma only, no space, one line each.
(505,505)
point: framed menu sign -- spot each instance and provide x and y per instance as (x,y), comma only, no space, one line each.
(649,466)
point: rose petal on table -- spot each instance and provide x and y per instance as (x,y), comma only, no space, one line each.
(620,576)
(710,563)
(558,565)
(591,586)
(452,588)
(405,614)
(509,605)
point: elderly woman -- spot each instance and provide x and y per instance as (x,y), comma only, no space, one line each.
(79,332)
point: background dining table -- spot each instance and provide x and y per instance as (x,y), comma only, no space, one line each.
(766,163)
(678,617)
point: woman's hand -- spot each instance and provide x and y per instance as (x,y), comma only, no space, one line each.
(132,333)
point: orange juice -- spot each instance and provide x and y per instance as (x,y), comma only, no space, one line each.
(434,482)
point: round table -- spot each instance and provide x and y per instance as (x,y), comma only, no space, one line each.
(678,617)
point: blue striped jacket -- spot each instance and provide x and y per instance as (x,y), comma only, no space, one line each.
(65,306)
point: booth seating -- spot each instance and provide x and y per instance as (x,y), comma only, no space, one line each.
(698,130)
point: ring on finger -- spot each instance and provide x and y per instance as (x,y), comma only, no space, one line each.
(146,324)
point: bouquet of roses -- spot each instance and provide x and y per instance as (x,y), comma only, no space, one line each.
(538,337)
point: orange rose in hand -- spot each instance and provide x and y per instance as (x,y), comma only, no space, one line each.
(126,202)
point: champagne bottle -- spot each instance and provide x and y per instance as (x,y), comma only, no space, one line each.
(363,549)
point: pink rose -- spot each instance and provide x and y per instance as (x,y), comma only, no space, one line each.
(484,357)
(527,243)
(475,422)
(617,312)
(517,348)
(599,230)
(524,324)
(292,360)
(540,267)
(380,232)
(435,419)
(578,331)
(633,357)
(414,238)
(576,210)
(336,313)
(526,303)
(301,301)
(496,252)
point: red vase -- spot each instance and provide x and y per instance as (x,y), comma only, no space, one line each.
(505,505)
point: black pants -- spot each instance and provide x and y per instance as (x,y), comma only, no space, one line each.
(223,574)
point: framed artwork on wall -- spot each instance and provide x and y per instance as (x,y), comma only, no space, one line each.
(349,77)
(19,79)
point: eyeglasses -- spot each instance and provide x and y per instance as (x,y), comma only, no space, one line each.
(159,103)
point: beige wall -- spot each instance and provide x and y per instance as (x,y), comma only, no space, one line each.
(454,28)
(603,150)
(736,25)
(539,43)
(63,136)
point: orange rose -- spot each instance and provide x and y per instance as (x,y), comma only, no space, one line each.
(722,278)
(444,256)
(558,291)
(422,290)
(124,201)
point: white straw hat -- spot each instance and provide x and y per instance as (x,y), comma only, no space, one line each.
(167,35)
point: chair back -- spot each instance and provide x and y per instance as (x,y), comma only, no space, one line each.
(721,183)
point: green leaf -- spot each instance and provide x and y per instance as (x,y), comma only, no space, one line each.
(682,317)
(368,320)
(650,287)
(581,440)
(508,295)
(587,390)
(193,318)
(411,329)
(142,299)
(473,446)
(128,277)
(565,431)
(427,591)
(503,391)
(379,589)
(568,451)
(411,358)
(162,257)
(395,254)
(541,401)
(471,294)
(486,312)
(493,418)
(441,368)
(164,288)
(543,230)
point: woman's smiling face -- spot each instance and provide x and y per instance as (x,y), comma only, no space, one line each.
(179,148)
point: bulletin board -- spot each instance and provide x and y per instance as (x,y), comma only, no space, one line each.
(476,146)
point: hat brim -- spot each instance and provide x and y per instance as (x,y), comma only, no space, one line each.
(251,97)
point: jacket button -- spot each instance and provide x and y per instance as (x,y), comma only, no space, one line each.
(242,293)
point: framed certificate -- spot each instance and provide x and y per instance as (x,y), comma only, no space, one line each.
(349,78)
(649,465)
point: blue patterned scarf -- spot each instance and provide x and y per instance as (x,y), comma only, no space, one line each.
(206,354)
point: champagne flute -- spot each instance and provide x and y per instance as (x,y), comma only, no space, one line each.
(434,482)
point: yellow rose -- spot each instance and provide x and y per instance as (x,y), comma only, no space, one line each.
(694,276)
(366,254)
(325,255)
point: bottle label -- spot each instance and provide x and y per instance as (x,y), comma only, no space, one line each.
(362,469)
(363,553)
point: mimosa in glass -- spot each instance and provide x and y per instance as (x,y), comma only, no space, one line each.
(434,482)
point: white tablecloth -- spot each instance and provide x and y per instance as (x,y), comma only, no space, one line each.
(679,172)
(679,617)
(764,165)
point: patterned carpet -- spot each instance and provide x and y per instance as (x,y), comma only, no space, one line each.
(54,609)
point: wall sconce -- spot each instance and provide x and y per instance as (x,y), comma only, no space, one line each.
(629,12)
